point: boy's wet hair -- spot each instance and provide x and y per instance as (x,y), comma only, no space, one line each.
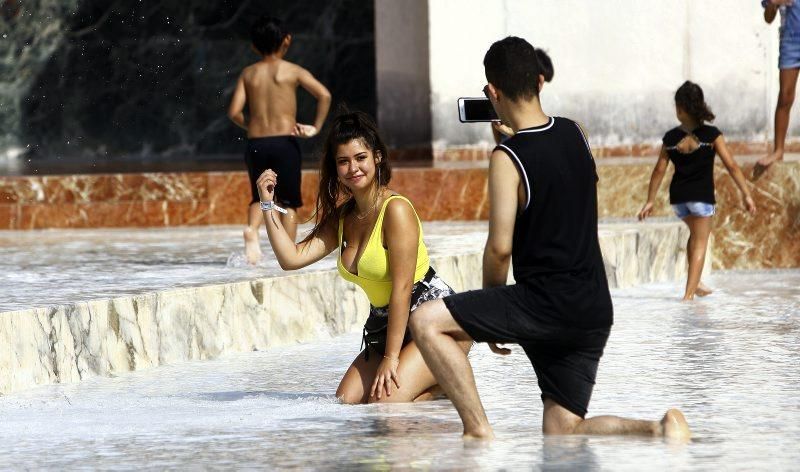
(267,34)
(689,97)
(513,66)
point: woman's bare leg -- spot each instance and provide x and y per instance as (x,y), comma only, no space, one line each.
(416,379)
(355,385)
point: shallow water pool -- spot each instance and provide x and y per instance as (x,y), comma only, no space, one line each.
(730,361)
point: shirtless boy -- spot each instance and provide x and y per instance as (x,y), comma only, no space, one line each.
(268,88)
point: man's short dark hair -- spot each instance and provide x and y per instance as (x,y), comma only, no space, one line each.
(267,34)
(512,66)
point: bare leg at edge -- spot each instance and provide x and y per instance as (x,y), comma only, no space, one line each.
(437,336)
(788,85)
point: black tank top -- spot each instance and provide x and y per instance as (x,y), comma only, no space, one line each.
(555,248)
(693,180)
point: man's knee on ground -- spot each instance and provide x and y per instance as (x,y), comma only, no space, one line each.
(558,428)
(558,420)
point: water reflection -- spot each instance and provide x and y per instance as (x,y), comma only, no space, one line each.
(729,361)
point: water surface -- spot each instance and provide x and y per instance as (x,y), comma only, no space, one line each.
(730,361)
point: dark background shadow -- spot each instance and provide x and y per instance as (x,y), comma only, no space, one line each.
(138,86)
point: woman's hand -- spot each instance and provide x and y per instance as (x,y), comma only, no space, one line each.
(304,131)
(385,376)
(749,204)
(647,209)
(266,185)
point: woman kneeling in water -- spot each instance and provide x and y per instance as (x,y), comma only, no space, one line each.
(379,238)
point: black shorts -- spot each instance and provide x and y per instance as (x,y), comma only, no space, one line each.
(281,154)
(564,356)
(431,287)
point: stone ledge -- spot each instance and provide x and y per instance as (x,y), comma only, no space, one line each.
(104,337)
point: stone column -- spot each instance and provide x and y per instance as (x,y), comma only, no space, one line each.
(403,76)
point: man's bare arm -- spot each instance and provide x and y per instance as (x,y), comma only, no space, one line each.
(236,107)
(503,195)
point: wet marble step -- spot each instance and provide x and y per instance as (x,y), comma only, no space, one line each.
(189,308)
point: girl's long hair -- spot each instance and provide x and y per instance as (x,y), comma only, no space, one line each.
(333,198)
(689,97)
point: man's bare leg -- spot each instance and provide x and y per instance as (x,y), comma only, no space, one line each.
(558,420)
(699,232)
(252,248)
(437,334)
(788,85)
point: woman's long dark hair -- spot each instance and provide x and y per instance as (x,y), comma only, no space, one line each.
(333,198)
(689,97)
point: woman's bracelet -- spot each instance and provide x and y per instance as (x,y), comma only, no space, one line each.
(270,205)
(396,359)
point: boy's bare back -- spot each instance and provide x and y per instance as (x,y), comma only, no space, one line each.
(269,88)
(271,91)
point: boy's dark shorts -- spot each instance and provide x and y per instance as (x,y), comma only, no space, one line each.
(564,356)
(282,155)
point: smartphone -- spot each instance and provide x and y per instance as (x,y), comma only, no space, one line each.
(474,110)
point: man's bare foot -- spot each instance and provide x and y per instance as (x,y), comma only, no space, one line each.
(703,290)
(674,426)
(763,164)
(688,297)
(252,250)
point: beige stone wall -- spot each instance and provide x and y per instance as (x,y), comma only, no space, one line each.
(771,239)
(103,337)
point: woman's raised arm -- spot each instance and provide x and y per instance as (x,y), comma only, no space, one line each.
(291,255)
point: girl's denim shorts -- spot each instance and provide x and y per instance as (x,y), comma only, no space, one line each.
(682,210)
(789,53)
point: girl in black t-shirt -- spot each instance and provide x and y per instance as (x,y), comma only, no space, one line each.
(692,147)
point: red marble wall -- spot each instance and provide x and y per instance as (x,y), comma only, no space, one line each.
(174,199)
(479,153)
(770,239)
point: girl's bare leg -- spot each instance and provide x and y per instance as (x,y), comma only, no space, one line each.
(699,232)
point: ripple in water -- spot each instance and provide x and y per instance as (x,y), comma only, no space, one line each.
(729,361)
